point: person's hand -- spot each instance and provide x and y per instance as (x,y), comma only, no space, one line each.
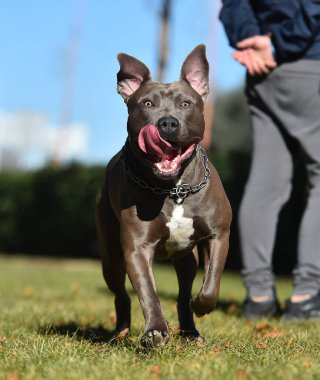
(252,61)
(256,54)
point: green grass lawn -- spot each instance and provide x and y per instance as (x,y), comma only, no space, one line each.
(56,318)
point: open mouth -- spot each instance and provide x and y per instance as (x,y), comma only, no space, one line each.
(166,156)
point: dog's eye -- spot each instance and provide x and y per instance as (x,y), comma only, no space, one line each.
(148,103)
(185,104)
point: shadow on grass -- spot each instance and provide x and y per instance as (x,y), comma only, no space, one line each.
(99,336)
(93,334)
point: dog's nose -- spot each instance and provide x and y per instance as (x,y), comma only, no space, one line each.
(168,125)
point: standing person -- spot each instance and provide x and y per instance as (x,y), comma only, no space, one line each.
(279,43)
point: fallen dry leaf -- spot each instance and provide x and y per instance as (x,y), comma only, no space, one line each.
(273,334)
(262,327)
(155,372)
(29,291)
(199,343)
(308,363)
(13,376)
(112,319)
(242,374)
(155,369)
(215,352)
(232,308)
(177,347)
(262,345)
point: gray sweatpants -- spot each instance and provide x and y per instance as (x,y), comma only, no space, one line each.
(285,102)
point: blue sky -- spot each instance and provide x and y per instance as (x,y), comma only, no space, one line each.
(34,40)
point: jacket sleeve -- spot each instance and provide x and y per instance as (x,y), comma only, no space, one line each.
(238,20)
(293,37)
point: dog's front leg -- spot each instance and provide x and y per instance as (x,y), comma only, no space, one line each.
(139,268)
(215,254)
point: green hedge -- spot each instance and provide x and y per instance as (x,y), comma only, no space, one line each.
(50,211)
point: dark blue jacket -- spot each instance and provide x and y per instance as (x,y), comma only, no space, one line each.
(294,25)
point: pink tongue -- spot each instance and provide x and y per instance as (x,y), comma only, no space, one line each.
(150,142)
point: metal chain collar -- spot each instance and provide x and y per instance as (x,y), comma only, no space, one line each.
(180,192)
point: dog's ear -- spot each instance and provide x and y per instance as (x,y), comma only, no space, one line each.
(131,75)
(195,71)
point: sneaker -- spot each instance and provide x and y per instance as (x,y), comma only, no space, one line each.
(256,310)
(309,309)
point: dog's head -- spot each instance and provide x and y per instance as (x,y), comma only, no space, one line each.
(165,119)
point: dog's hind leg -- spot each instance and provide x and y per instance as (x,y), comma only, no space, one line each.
(186,269)
(113,266)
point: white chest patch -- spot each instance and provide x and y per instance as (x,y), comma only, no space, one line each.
(181,229)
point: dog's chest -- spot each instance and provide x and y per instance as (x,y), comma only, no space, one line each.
(181,230)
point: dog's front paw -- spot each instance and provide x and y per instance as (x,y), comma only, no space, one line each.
(154,338)
(202,305)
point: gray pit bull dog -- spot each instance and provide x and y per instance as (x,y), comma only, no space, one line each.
(161,198)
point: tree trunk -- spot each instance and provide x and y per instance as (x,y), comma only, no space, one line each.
(163,51)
